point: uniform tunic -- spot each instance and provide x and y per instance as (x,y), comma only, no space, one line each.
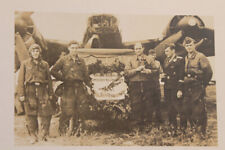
(198,66)
(174,70)
(37,96)
(73,72)
(71,69)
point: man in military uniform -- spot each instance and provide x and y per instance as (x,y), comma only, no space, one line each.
(35,90)
(153,88)
(173,75)
(198,73)
(72,71)
(139,83)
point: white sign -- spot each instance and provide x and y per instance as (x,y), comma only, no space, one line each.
(109,86)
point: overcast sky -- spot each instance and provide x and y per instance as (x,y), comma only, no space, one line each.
(72,26)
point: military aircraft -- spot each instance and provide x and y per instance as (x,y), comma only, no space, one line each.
(103,33)
(102,39)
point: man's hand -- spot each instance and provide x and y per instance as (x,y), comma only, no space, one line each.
(59,101)
(140,68)
(163,75)
(122,73)
(22,98)
(179,94)
(90,92)
(146,71)
(50,97)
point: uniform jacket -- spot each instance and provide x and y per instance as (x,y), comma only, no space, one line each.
(37,100)
(155,68)
(69,68)
(138,61)
(174,70)
(198,66)
(31,72)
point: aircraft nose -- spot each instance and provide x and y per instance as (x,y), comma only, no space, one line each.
(190,21)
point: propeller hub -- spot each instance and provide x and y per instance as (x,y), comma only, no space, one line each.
(192,22)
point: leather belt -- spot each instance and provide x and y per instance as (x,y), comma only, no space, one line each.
(73,83)
(37,83)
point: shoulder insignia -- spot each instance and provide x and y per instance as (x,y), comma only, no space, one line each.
(26,61)
(200,54)
(179,58)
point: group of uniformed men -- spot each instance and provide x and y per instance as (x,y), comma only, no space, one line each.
(184,88)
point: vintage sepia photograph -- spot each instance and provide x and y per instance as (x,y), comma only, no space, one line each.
(113,79)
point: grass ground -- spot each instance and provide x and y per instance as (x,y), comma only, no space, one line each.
(108,137)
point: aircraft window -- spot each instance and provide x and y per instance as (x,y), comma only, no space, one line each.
(105,21)
(95,20)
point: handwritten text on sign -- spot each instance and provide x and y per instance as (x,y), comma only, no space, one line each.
(109,86)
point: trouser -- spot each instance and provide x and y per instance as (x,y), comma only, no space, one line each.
(152,104)
(37,100)
(145,99)
(195,113)
(137,102)
(171,101)
(194,108)
(32,125)
(37,105)
(44,126)
(68,123)
(73,96)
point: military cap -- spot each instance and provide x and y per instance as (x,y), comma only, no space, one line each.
(188,40)
(171,46)
(33,47)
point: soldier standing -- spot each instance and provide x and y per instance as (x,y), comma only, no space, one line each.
(173,75)
(198,73)
(139,84)
(72,71)
(35,90)
(154,87)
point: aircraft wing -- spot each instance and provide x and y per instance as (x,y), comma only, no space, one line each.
(106,56)
(105,52)
(150,43)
